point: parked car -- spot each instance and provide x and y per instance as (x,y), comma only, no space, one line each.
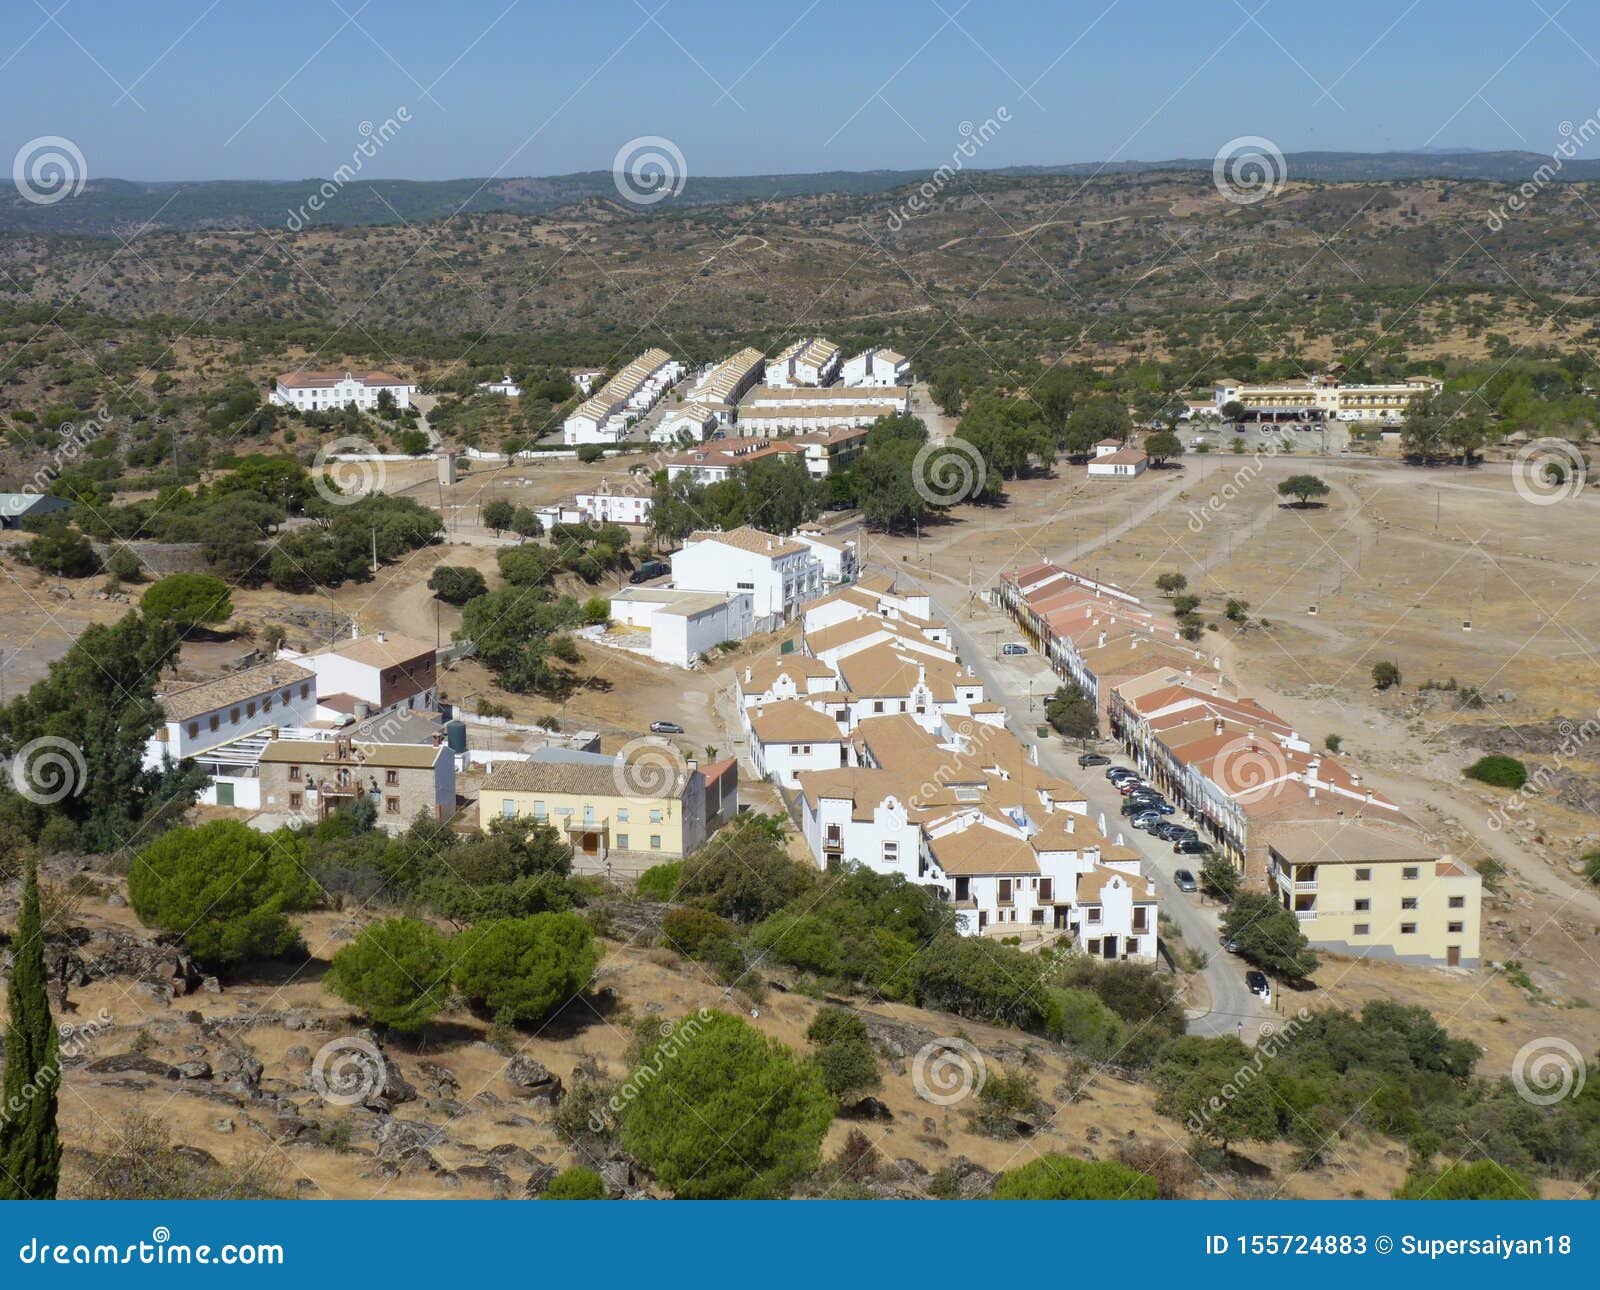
(649,569)
(1126,786)
(1185,881)
(1118,774)
(1154,801)
(1146,820)
(1190,847)
(1170,832)
(1256,982)
(1231,945)
(665,728)
(1135,806)
(1093,759)
(1013,647)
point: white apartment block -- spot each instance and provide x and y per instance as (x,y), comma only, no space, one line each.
(604,417)
(683,626)
(780,574)
(711,464)
(811,360)
(1325,398)
(331,391)
(727,381)
(876,367)
(838,555)
(790,737)
(691,422)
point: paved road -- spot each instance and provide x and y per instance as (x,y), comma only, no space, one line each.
(1021,684)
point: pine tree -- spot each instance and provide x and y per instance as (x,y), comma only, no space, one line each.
(30,1144)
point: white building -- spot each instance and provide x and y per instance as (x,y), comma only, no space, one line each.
(874,598)
(811,360)
(504,386)
(780,574)
(683,625)
(791,737)
(222,723)
(876,367)
(604,417)
(1113,461)
(331,391)
(838,555)
(714,463)
(627,502)
(727,381)
(369,675)
(691,421)
(585,377)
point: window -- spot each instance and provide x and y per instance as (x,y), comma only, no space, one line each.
(1458,902)
(391,777)
(294,774)
(1004,896)
(1363,905)
(1408,929)
(1046,890)
(1363,875)
(1038,915)
(655,817)
(539,812)
(194,729)
(655,842)
(877,705)
(288,696)
(214,722)
(622,841)
(1457,928)
(391,806)
(891,853)
(305,689)
(250,708)
(1094,913)
(294,801)
(233,716)
(508,809)
(1362,929)
(266,704)
(622,815)
(1408,902)
(1409,872)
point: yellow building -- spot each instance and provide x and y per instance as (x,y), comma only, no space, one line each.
(1375,892)
(1328,399)
(616,814)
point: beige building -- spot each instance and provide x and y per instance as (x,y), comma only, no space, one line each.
(1329,399)
(616,814)
(311,778)
(1376,892)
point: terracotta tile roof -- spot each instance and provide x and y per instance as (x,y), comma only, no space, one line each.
(313,752)
(374,651)
(236,687)
(1347,842)
(980,850)
(326,380)
(751,540)
(792,721)
(1092,885)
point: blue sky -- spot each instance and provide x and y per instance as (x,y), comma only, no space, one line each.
(203,89)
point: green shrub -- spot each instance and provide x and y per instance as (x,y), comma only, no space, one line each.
(396,971)
(577,1183)
(225,889)
(844,1052)
(523,969)
(690,931)
(1480,1180)
(758,1116)
(188,600)
(660,882)
(1498,771)
(1061,1177)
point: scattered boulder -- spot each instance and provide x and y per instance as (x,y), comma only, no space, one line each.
(538,1181)
(868,1108)
(130,1064)
(190,1070)
(533,1081)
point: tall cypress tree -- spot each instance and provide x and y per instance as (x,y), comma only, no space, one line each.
(30,1144)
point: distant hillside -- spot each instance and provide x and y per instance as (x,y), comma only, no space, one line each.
(108,206)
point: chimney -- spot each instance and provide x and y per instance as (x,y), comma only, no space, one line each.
(382,638)
(1217,726)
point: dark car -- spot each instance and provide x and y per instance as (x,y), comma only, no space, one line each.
(1256,982)
(1170,832)
(1121,772)
(1185,881)
(1135,806)
(665,728)
(1093,759)
(1190,847)
(649,569)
